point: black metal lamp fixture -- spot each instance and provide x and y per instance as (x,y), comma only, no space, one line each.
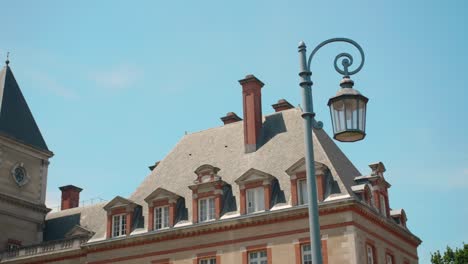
(348,113)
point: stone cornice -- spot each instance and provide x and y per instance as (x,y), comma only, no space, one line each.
(40,153)
(23,203)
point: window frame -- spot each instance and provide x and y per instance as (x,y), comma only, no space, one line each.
(122,225)
(300,192)
(303,261)
(373,253)
(392,258)
(210,213)
(258,199)
(259,258)
(209,260)
(164,217)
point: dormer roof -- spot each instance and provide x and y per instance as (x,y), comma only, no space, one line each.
(119,202)
(161,193)
(254,175)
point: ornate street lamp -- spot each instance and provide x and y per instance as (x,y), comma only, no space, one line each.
(348,113)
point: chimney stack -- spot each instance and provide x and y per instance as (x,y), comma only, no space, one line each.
(70,197)
(230,117)
(282,105)
(252,104)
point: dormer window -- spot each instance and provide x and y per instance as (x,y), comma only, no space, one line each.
(207,194)
(302,192)
(120,215)
(119,225)
(298,177)
(162,209)
(255,200)
(161,217)
(206,208)
(256,191)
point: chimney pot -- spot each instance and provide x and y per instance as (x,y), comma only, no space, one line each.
(252,105)
(230,117)
(70,197)
(281,105)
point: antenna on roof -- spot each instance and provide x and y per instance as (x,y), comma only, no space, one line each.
(7,58)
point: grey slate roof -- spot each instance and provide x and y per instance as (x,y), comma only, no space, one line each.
(93,218)
(223,147)
(16,120)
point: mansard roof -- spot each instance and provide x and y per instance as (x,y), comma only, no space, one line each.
(16,119)
(282,145)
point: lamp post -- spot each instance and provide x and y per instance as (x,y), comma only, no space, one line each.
(348,113)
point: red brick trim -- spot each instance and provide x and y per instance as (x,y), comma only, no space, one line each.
(254,184)
(261,247)
(243,200)
(267,196)
(161,261)
(195,210)
(294,194)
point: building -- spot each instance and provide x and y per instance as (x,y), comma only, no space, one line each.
(230,194)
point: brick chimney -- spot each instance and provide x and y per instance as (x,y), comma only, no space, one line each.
(70,197)
(252,104)
(282,105)
(230,117)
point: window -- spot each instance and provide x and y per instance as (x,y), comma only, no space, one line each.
(206,208)
(207,261)
(370,254)
(119,225)
(161,217)
(388,259)
(11,246)
(255,200)
(302,192)
(258,257)
(383,207)
(306,255)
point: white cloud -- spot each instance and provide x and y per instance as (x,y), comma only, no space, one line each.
(118,77)
(45,81)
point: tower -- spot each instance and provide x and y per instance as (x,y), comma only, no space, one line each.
(24,160)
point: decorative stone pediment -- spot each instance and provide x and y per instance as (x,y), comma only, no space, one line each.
(120,202)
(253,175)
(377,168)
(206,173)
(79,231)
(299,166)
(161,194)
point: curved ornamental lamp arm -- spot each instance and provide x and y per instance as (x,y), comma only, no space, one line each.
(347,60)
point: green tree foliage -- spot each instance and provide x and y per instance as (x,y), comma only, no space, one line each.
(450,256)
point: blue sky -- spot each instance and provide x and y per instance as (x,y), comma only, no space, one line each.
(114,85)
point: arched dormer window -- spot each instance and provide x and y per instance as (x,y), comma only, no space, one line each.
(207,194)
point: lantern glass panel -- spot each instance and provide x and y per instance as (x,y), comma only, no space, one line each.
(351,112)
(362,116)
(338,113)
